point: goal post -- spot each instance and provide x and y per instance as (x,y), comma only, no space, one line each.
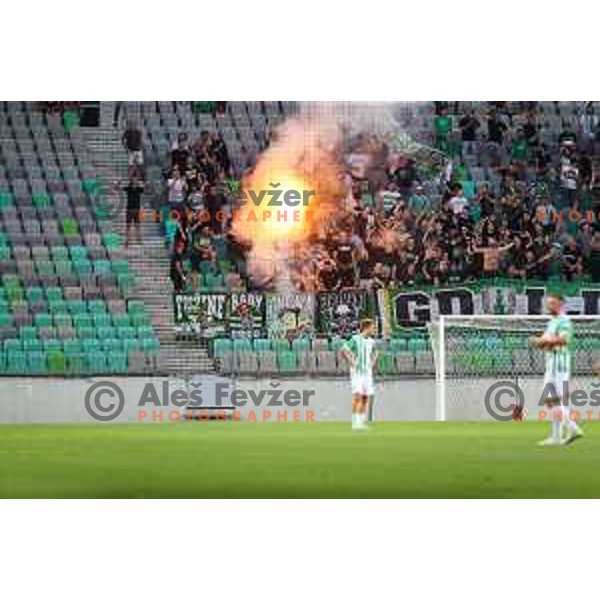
(479,355)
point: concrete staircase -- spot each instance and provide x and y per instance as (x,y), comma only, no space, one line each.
(150,260)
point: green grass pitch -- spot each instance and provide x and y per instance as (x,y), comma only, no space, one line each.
(304,460)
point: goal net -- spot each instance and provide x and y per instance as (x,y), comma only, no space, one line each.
(486,364)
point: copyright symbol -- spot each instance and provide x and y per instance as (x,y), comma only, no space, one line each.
(101,408)
(493,400)
(106,201)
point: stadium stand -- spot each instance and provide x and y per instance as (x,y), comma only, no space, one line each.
(75,301)
(66,303)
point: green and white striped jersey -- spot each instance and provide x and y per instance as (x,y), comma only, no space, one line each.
(558,361)
(361,348)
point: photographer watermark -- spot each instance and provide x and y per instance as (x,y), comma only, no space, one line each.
(105,401)
(505,401)
(107,200)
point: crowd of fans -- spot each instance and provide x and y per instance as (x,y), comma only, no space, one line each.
(199,180)
(513,201)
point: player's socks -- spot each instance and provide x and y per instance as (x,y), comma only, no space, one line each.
(556,424)
(354,420)
(570,423)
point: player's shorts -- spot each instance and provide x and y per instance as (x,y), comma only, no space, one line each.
(136,158)
(556,385)
(362,383)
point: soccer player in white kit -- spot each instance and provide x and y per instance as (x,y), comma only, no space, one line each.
(556,343)
(360,353)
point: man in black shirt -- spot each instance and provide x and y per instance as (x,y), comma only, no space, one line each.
(327,275)
(132,141)
(496,128)
(178,275)
(134,190)
(344,256)
(469,124)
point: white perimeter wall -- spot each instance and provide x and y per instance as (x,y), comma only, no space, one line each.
(62,400)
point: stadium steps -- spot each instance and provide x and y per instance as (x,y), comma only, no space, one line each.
(149,262)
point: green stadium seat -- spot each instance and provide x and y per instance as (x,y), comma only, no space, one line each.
(56,361)
(16,362)
(120,267)
(287,362)
(124,281)
(60,253)
(95,361)
(52,345)
(14,294)
(32,344)
(97,306)
(41,200)
(102,267)
(28,332)
(5,201)
(82,266)
(63,268)
(72,347)
(125,332)
(75,363)
(222,347)
(139,319)
(121,320)
(102,319)
(45,268)
(69,227)
(58,306)
(54,294)
(398,345)
(416,344)
(111,344)
(105,332)
(43,320)
(301,345)
(145,331)
(135,307)
(242,345)
(36,362)
(279,345)
(34,294)
(116,361)
(86,332)
(262,345)
(12,345)
(336,344)
(131,345)
(78,253)
(62,320)
(112,241)
(91,345)
(386,363)
(150,345)
(83,320)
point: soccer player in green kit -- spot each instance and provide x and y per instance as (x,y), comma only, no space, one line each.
(557,342)
(360,352)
